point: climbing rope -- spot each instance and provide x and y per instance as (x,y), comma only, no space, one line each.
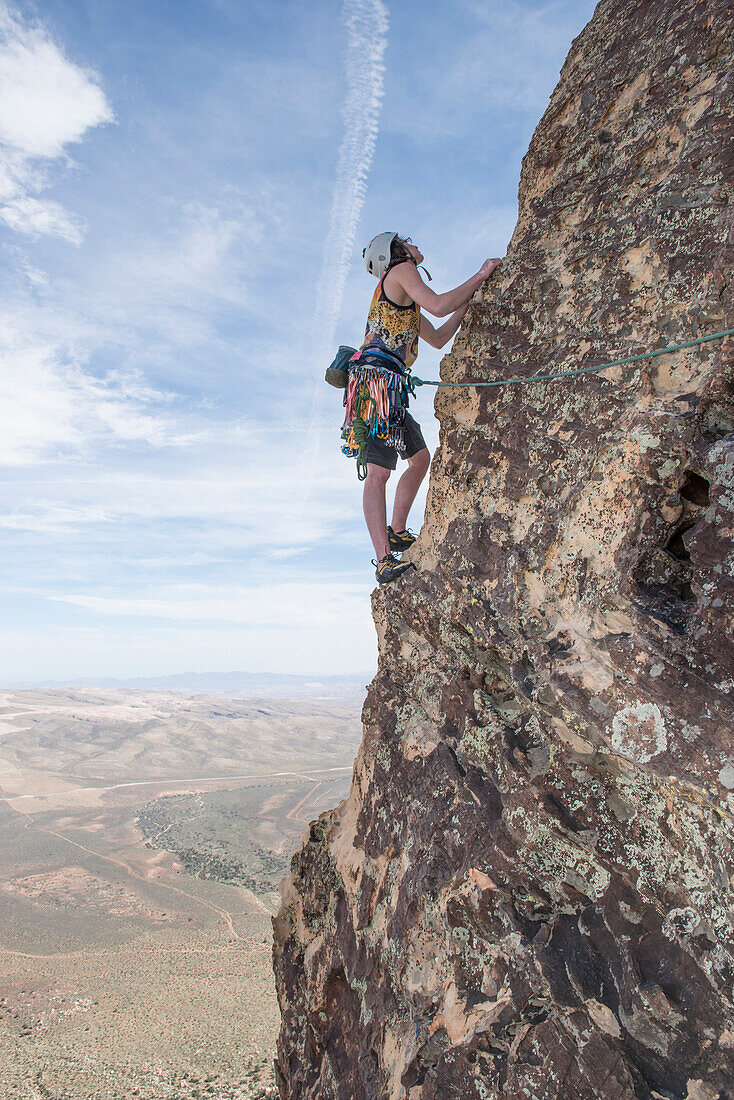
(582,370)
(360,432)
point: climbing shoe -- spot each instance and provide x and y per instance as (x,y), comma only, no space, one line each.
(388,568)
(400,540)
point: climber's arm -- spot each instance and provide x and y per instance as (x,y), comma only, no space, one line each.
(440,305)
(439,337)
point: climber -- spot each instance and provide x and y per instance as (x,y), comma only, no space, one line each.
(379,384)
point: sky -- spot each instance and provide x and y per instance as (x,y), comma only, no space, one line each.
(186,187)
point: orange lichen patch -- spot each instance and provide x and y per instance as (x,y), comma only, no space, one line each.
(460,1022)
(621,106)
(570,112)
(484,882)
(542,180)
(465,410)
(654,163)
(701,96)
(675,374)
(642,264)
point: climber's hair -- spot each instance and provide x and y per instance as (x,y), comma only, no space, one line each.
(398,253)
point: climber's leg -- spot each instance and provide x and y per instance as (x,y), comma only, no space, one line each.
(375,511)
(408,486)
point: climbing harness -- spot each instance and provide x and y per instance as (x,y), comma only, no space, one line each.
(582,370)
(376,401)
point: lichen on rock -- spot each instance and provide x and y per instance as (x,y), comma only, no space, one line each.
(528,892)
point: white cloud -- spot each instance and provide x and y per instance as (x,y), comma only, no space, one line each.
(33,276)
(51,407)
(39,218)
(144,306)
(317,605)
(222,494)
(204,254)
(50,518)
(46,103)
(289,552)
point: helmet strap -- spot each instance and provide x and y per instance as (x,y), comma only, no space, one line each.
(420,267)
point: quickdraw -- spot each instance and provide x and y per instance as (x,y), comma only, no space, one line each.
(376,400)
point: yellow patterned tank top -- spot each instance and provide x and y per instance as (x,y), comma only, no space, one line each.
(392,327)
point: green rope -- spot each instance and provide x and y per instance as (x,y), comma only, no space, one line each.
(361,429)
(361,435)
(581,370)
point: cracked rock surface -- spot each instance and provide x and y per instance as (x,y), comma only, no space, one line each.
(528,892)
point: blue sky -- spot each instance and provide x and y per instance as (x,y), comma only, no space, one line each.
(185,190)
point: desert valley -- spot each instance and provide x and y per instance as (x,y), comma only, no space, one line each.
(142,838)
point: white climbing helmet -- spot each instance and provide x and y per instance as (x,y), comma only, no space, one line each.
(377,254)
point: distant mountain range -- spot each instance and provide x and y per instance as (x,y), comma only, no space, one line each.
(220,683)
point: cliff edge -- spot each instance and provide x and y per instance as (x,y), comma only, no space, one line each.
(528,892)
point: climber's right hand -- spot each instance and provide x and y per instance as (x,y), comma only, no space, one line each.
(488,267)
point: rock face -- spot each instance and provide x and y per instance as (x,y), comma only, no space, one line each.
(527,893)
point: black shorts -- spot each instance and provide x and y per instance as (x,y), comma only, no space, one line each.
(381,454)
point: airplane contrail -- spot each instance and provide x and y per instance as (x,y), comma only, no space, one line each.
(367,26)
